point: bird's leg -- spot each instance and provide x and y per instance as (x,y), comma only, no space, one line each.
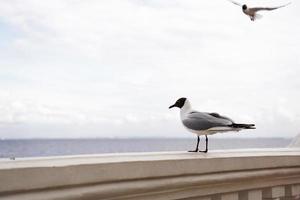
(206,145)
(198,140)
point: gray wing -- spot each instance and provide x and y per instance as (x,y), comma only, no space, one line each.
(217,115)
(267,8)
(236,3)
(203,121)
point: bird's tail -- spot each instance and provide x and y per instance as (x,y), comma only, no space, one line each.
(243,126)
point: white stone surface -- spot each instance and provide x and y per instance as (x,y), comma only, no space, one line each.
(296,190)
(148,176)
(231,196)
(255,195)
(278,191)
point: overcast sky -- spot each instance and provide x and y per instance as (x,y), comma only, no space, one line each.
(111,68)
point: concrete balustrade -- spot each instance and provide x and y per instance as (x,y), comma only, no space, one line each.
(253,195)
(296,190)
(219,175)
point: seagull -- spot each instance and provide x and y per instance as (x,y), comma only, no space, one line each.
(252,12)
(204,123)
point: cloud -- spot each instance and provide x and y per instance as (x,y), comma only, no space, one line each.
(111,68)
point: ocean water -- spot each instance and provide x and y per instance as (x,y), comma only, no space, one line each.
(57,147)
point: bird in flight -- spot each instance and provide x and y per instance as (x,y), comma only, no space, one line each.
(204,123)
(252,12)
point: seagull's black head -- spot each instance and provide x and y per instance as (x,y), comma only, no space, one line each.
(244,7)
(179,103)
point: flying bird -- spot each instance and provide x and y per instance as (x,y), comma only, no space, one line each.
(204,123)
(252,12)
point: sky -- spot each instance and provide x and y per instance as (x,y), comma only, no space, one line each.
(111,68)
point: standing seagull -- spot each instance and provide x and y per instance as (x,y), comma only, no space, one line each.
(252,12)
(202,123)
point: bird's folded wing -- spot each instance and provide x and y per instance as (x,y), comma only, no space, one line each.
(217,115)
(203,121)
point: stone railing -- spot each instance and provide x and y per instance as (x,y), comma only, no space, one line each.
(218,175)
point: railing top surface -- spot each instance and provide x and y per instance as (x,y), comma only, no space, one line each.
(182,169)
(59,161)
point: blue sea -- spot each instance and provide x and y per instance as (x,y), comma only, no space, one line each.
(58,147)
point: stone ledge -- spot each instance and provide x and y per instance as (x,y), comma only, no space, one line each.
(172,175)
